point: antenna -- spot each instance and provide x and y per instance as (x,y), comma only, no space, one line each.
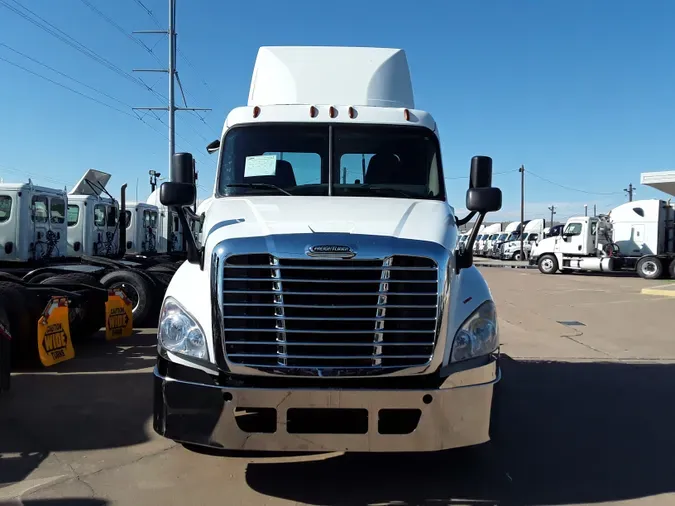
(173,77)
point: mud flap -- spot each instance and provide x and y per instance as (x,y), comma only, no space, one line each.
(54,339)
(118,315)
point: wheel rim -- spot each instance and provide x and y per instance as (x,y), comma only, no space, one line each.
(649,267)
(130,291)
(547,264)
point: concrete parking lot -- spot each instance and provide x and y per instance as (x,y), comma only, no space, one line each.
(589,383)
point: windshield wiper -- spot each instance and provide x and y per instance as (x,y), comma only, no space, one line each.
(258,185)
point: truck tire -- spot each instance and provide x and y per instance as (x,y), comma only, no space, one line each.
(39,278)
(548,264)
(91,316)
(5,353)
(671,269)
(649,268)
(138,287)
(517,257)
(23,311)
(166,268)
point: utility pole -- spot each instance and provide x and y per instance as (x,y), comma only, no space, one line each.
(552,209)
(594,211)
(173,78)
(630,191)
(522,209)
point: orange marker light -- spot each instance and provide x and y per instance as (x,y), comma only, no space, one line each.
(256,111)
(313,112)
(332,112)
(406,114)
(352,113)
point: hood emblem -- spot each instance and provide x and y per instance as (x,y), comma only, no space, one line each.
(330,251)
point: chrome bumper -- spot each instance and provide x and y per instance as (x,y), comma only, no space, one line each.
(454,415)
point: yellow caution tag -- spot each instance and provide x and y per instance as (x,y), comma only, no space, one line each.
(54,343)
(118,315)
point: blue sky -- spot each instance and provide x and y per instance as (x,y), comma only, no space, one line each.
(580,92)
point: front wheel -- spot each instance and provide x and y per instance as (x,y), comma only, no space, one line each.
(517,256)
(548,264)
(649,268)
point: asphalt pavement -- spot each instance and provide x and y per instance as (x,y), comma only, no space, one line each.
(589,379)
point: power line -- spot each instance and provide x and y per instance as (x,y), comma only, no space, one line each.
(33,175)
(67,39)
(63,74)
(570,188)
(111,22)
(68,88)
(494,174)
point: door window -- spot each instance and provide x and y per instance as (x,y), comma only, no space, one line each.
(573,229)
(40,209)
(58,210)
(99,215)
(73,214)
(5,207)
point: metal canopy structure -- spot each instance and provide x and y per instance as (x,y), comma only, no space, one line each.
(663,181)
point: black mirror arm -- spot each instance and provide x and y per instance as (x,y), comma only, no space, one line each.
(195,254)
(464,259)
(466,219)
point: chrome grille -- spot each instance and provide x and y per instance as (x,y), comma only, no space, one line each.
(329,314)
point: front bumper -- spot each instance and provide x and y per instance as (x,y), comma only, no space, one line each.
(453,415)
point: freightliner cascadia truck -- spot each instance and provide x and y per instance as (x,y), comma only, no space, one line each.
(327,304)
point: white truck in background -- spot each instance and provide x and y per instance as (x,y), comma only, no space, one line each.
(490,233)
(327,306)
(93,227)
(510,233)
(635,236)
(142,228)
(532,233)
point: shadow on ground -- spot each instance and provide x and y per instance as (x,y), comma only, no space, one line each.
(570,433)
(138,351)
(67,501)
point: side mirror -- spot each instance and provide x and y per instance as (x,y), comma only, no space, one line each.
(213,146)
(481,172)
(183,168)
(483,200)
(177,194)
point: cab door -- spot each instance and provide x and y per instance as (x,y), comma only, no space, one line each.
(573,239)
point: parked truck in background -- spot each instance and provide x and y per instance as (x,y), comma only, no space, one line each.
(510,233)
(490,233)
(328,308)
(532,233)
(635,236)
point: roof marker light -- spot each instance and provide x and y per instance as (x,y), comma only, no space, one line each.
(406,114)
(256,111)
(313,112)
(352,112)
(332,112)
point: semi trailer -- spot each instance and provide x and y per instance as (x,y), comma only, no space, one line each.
(636,236)
(328,308)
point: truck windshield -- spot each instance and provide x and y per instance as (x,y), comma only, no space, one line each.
(370,160)
(501,237)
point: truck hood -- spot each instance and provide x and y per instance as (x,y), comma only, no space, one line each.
(545,245)
(238,217)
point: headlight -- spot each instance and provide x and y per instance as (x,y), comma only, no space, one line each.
(478,335)
(179,332)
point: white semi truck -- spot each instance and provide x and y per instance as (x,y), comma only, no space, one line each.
(533,232)
(328,306)
(510,233)
(490,234)
(637,236)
